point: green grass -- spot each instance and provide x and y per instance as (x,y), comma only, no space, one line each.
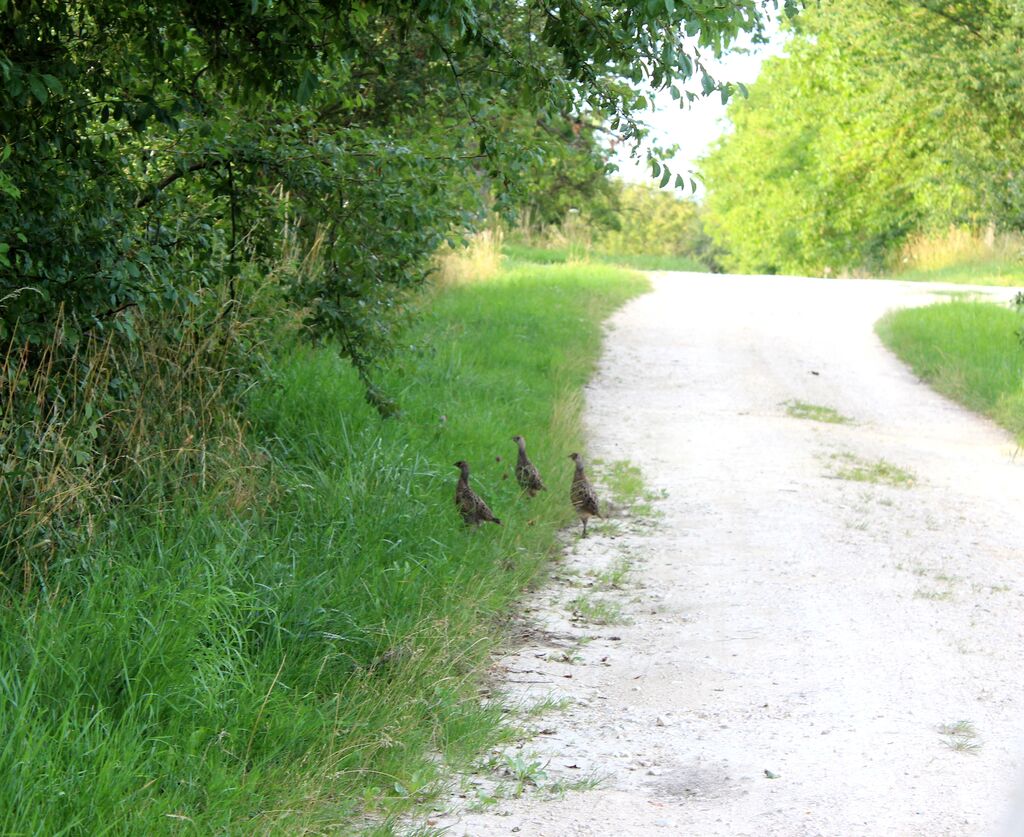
(960,736)
(596,611)
(987,272)
(851,467)
(522,253)
(299,658)
(968,351)
(815,412)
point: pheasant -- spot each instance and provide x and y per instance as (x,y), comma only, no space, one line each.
(471,506)
(582,494)
(527,474)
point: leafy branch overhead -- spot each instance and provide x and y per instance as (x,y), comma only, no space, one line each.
(158,155)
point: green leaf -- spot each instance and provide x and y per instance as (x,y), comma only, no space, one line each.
(53,83)
(307,86)
(35,84)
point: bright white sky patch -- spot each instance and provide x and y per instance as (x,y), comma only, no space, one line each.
(696,127)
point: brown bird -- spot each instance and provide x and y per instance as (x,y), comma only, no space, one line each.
(471,506)
(527,474)
(582,494)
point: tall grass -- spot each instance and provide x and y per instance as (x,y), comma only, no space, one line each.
(478,260)
(964,255)
(969,351)
(90,421)
(310,659)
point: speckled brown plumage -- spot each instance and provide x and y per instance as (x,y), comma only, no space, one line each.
(471,505)
(582,494)
(527,474)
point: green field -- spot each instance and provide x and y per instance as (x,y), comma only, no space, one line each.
(522,253)
(301,656)
(969,351)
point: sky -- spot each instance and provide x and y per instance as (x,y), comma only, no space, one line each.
(698,126)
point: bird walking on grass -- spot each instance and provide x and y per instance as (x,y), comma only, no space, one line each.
(527,474)
(471,505)
(582,494)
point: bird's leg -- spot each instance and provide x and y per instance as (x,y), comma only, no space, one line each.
(584,528)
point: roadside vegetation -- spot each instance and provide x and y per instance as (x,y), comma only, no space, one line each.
(300,641)
(235,596)
(969,351)
(650,229)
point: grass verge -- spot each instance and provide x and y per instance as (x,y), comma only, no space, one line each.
(309,657)
(968,351)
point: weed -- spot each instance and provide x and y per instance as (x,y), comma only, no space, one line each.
(960,736)
(546,705)
(524,772)
(596,611)
(560,787)
(605,528)
(815,412)
(625,481)
(851,467)
(614,576)
(933,595)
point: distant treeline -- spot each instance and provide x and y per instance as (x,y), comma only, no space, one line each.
(886,121)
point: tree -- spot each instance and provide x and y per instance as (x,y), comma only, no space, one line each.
(884,120)
(153,149)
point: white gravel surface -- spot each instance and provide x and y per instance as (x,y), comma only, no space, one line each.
(795,641)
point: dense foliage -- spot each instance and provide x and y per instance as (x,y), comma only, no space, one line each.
(657,223)
(180,179)
(152,149)
(886,119)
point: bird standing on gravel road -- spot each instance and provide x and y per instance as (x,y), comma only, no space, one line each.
(582,494)
(471,506)
(527,474)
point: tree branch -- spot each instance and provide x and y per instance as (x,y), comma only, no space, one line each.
(151,194)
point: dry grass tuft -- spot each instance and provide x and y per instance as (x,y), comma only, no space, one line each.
(478,261)
(960,245)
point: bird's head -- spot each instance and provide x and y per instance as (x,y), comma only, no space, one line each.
(462,464)
(519,440)
(575,457)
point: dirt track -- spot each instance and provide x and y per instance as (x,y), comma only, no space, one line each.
(796,641)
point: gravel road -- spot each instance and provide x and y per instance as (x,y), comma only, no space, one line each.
(794,652)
